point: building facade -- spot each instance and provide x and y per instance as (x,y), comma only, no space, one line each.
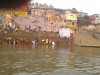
(20,11)
(96,19)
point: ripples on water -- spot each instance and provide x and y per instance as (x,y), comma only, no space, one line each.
(49,60)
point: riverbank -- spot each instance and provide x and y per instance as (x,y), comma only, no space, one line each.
(22,35)
(88,36)
(80,39)
(86,40)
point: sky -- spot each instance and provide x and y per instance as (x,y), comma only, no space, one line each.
(87,6)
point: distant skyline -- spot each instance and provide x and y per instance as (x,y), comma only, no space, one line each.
(87,6)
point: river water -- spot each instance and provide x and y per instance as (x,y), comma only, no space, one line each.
(49,60)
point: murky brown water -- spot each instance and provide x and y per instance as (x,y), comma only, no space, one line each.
(49,60)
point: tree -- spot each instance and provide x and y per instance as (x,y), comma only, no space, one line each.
(40,6)
(36,4)
(50,6)
(45,5)
(32,4)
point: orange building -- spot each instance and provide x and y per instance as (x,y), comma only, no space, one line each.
(20,11)
(22,8)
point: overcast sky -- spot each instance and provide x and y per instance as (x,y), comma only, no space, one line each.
(87,6)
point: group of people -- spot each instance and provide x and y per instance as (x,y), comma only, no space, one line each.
(7,23)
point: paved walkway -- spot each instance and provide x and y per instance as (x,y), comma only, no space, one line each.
(84,39)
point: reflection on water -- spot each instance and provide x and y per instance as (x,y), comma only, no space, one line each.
(49,60)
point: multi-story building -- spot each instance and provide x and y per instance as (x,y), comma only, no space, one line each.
(96,19)
(82,18)
(20,11)
(81,14)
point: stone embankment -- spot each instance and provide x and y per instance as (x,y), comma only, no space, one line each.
(21,36)
(83,38)
(86,36)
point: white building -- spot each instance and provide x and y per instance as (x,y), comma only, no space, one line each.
(96,19)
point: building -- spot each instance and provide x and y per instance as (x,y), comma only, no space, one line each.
(82,18)
(47,13)
(81,14)
(96,19)
(20,11)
